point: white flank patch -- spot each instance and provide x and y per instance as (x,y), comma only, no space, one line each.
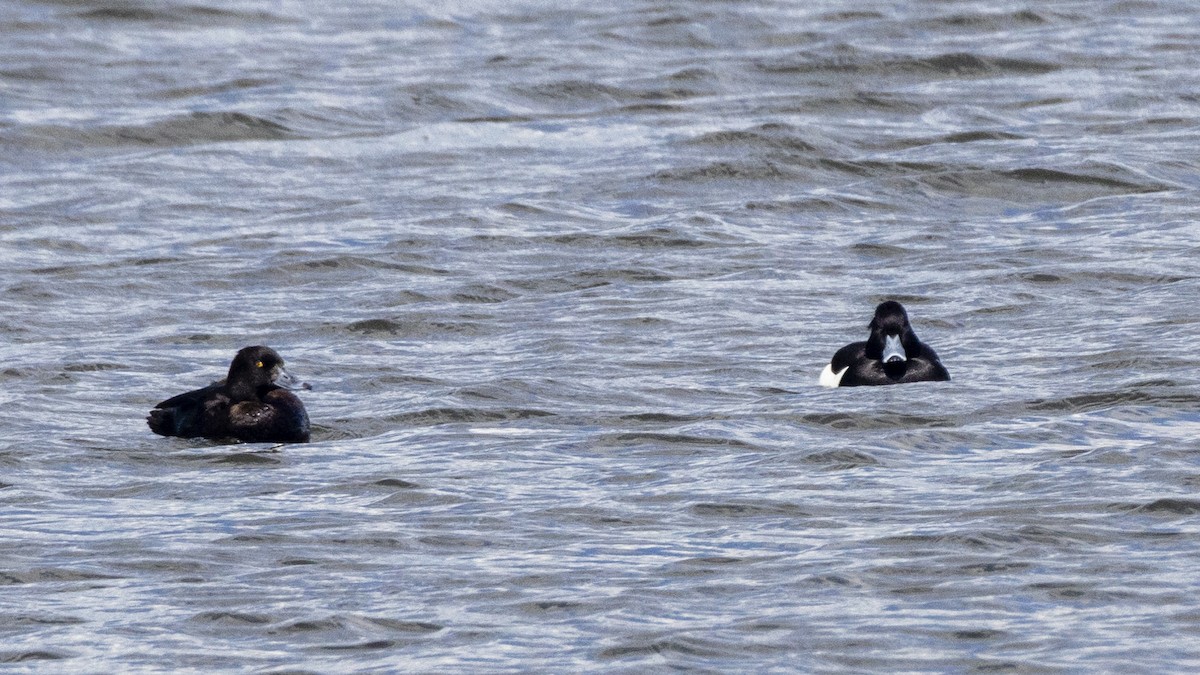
(830,378)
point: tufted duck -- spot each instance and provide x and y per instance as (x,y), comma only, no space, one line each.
(892,355)
(252,404)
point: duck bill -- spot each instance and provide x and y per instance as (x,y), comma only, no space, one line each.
(282,378)
(893,350)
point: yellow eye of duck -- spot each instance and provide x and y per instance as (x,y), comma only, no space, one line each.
(259,364)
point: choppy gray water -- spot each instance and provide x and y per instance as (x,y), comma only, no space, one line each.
(563,277)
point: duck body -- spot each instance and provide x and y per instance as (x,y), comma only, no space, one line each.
(891,355)
(252,404)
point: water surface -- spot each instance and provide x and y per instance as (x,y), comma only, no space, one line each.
(563,277)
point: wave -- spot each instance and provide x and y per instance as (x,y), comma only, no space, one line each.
(180,130)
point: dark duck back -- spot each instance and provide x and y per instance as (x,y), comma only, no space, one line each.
(252,404)
(891,355)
